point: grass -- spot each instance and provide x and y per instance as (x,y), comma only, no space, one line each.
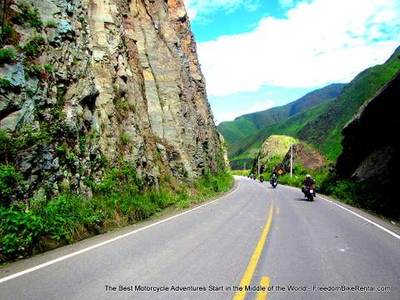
(125,138)
(240,172)
(119,200)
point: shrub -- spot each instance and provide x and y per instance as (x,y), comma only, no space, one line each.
(5,83)
(32,47)
(7,55)
(210,184)
(6,146)
(125,138)
(117,180)
(49,68)
(29,15)
(9,35)
(51,24)
(118,200)
(62,216)
(11,183)
(20,231)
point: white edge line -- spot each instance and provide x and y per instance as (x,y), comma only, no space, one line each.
(51,262)
(356,214)
(364,218)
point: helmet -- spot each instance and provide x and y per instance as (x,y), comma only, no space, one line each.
(308,176)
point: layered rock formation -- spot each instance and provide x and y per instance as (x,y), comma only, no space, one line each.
(371,147)
(97,82)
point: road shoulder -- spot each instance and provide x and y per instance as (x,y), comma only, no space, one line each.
(387,224)
(167,214)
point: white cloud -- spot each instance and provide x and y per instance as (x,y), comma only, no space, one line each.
(202,8)
(230,113)
(319,42)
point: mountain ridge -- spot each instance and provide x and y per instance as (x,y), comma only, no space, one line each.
(321,124)
(259,120)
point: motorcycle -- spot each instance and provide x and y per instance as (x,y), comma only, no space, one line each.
(274,183)
(309,192)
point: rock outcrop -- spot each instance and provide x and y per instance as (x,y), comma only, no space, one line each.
(371,147)
(272,152)
(95,82)
(305,155)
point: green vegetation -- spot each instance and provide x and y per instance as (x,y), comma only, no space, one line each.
(245,134)
(5,83)
(121,198)
(26,137)
(37,70)
(319,122)
(8,35)
(125,138)
(240,172)
(29,15)
(325,130)
(32,47)
(362,195)
(51,24)
(273,150)
(11,183)
(7,55)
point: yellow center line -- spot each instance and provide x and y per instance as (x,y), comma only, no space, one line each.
(262,295)
(251,267)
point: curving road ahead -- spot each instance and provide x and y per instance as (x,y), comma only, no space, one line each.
(268,240)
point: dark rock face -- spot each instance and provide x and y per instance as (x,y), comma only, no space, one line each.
(371,145)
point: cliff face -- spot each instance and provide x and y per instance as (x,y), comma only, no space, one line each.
(304,155)
(96,82)
(371,147)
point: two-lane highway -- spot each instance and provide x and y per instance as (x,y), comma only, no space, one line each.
(267,238)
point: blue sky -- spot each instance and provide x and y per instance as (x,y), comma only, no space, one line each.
(256,54)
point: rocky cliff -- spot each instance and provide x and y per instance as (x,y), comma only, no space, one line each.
(371,148)
(306,156)
(88,84)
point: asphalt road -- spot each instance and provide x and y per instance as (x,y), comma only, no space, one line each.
(267,238)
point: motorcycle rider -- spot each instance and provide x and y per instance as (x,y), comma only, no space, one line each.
(309,183)
(274,178)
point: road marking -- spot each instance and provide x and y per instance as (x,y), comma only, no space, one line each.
(251,267)
(54,261)
(277,210)
(262,295)
(362,217)
(356,214)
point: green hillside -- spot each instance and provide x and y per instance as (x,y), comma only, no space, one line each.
(319,124)
(248,125)
(325,130)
